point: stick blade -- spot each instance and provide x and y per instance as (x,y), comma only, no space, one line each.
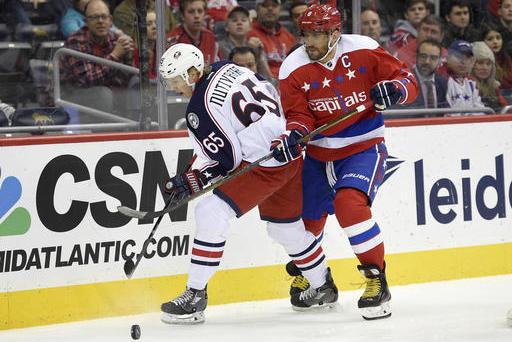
(131,212)
(129,267)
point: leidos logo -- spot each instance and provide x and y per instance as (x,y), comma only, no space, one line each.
(18,221)
(446,199)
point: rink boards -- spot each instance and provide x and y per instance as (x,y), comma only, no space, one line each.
(445,211)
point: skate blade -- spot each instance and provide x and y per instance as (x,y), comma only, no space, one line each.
(195,318)
(376,312)
(315,307)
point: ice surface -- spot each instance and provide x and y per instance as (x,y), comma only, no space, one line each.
(463,310)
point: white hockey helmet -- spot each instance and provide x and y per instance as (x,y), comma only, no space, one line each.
(178,59)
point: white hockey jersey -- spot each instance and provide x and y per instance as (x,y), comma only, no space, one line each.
(233,115)
(463,94)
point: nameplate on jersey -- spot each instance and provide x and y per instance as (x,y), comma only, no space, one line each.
(223,84)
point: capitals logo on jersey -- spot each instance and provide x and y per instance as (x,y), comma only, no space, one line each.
(338,88)
(339,102)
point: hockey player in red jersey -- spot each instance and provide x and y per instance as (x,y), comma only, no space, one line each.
(232,118)
(331,74)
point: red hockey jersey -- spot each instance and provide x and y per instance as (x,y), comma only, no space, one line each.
(313,94)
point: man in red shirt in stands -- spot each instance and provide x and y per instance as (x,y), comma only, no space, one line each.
(193,31)
(276,39)
(431,27)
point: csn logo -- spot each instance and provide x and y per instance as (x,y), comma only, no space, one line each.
(153,173)
(17,221)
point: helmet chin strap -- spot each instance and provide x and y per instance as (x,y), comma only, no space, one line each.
(329,46)
(186,78)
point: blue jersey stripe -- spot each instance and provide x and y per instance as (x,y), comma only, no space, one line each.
(209,244)
(205,263)
(367,235)
(312,266)
(313,245)
(359,128)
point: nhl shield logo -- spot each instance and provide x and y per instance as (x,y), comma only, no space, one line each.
(193,120)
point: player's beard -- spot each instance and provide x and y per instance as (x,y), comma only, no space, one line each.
(315,55)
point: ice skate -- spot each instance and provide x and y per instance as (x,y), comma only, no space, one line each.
(310,298)
(299,283)
(374,303)
(187,308)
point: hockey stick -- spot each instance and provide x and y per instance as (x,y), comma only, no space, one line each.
(151,215)
(129,265)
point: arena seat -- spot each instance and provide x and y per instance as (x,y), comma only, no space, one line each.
(43,116)
(14,66)
(45,50)
(176,110)
(4,33)
(35,33)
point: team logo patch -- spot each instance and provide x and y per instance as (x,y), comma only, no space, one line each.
(177,54)
(193,120)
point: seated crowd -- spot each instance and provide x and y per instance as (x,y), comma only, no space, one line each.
(461,60)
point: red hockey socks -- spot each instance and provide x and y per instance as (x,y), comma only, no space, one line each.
(355,217)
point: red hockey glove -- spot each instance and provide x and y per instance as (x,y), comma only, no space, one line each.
(385,94)
(185,184)
(287,147)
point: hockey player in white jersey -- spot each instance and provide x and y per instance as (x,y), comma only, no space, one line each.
(233,118)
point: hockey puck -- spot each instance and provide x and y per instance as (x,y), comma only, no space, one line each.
(135,331)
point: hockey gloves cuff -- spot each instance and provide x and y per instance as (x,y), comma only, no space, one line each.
(185,184)
(385,94)
(287,147)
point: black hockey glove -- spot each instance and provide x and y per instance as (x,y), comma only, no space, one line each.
(287,147)
(385,94)
(185,184)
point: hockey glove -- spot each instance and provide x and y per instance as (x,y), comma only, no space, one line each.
(287,147)
(385,94)
(185,184)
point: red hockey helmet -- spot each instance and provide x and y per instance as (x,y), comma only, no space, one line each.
(323,18)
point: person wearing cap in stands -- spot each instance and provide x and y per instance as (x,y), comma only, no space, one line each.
(276,39)
(238,24)
(462,92)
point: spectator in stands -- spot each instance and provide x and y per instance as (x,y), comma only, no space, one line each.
(237,27)
(151,23)
(296,9)
(219,9)
(193,31)
(503,23)
(462,92)
(244,56)
(390,11)
(73,19)
(406,30)
(432,85)
(458,17)
(370,25)
(277,40)
(484,73)
(125,17)
(493,38)
(91,83)
(431,27)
